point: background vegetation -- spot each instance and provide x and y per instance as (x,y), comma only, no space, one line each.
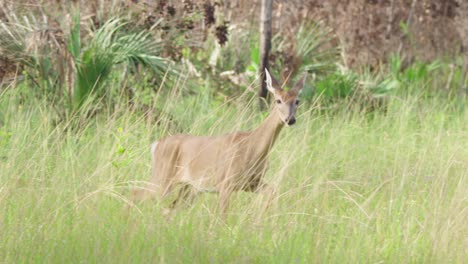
(374,171)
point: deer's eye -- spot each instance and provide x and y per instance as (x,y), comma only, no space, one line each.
(278,101)
(297,102)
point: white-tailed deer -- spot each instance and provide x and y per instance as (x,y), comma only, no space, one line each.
(228,163)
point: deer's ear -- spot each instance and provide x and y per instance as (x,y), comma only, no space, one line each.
(271,82)
(299,84)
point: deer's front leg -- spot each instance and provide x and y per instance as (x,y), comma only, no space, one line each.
(267,192)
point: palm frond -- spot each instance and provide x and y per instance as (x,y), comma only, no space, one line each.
(35,44)
(314,46)
(110,46)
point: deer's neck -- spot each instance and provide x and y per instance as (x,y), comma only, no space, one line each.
(265,135)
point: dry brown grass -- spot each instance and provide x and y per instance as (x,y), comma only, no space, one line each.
(369,30)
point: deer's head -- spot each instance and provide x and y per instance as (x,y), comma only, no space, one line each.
(286,102)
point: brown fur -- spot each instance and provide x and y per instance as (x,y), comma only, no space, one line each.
(228,163)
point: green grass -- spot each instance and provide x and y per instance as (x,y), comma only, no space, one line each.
(352,188)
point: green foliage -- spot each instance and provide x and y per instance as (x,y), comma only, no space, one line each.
(336,86)
(74,41)
(254,60)
(110,46)
(47,56)
(29,42)
(397,78)
(315,49)
(340,86)
(415,72)
(419,71)
(385,86)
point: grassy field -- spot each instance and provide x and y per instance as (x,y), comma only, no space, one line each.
(352,187)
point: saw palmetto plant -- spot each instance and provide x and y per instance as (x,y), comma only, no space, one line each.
(59,60)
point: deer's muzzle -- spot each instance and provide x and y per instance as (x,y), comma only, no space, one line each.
(291,121)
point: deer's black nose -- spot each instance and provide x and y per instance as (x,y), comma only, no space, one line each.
(291,121)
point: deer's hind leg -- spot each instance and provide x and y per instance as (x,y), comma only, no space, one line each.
(151,191)
(163,177)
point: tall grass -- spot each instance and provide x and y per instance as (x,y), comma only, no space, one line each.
(352,188)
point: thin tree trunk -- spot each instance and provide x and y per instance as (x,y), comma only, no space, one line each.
(408,23)
(265,45)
